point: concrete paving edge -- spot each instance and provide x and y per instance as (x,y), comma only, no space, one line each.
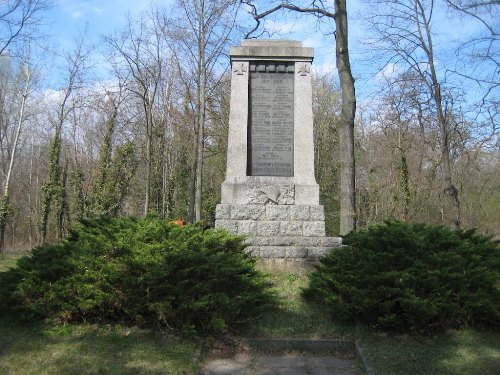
(320,345)
(315,345)
(360,353)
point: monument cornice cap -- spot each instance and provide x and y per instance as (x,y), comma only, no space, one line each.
(267,49)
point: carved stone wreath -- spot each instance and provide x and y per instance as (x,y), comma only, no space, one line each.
(284,194)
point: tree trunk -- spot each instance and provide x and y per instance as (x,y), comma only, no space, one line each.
(346,134)
(201,139)
(149,154)
(453,216)
(192,180)
(4,203)
(201,99)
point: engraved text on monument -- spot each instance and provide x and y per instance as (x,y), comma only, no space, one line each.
(270,136)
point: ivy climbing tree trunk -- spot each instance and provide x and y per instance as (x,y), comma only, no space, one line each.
(4,202)
(52,189)
(102,197)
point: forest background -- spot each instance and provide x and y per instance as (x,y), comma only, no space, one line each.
(135,122)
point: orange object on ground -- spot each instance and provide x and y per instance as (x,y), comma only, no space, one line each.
(179,222)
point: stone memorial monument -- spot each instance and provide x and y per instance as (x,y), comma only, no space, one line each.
(270,193)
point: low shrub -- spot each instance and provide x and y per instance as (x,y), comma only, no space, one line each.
(411,277)
(138,271)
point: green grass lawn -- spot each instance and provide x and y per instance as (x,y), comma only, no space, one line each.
(294,317)
(8,261)
(117,349)
(92,349)
(465,352)
(462,352)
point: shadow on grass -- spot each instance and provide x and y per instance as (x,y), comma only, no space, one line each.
(91,349)
(9,260)
(294,317)
(465,352)
(474,352)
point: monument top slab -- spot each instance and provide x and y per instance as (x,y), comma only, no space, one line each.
(264,49)
(271,43)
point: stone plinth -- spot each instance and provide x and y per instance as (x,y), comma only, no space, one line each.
(270,192)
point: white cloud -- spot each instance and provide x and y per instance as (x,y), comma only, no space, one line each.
(315,41)
(77,14)
(387,73)
(283,27)
(324,68)
(78,9)
(52,96)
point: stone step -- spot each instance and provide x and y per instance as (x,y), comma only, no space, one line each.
(288,252)
(317,241)
(289,247)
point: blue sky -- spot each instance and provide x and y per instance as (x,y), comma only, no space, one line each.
(69,18)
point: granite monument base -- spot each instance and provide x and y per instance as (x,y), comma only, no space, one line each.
(279,231)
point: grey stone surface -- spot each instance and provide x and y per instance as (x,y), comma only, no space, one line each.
(307,241)
(271,43)
(230,225)
(273,194)
(300,247)
(313,229)
(247,212)
(316,252)
(332,242)
(223,212)
(247,227)
(291,356)
(317,213)
(258,241)
(291,228)
(295,252)
(280,214)
(253,250)
(268,228)
(286,364)
(273,252)
(274,212)
(234,189)
(271,121)
(300,212)
(271,50)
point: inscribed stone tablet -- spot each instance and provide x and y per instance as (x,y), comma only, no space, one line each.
(270,129)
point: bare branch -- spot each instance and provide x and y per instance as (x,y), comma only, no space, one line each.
(16,18)
(319,11)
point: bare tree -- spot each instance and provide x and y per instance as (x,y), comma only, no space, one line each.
(18,18)
(478,62)
(320,9)
(141,52)
(53,190)
(199,36)
(404,34)
(27,76)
